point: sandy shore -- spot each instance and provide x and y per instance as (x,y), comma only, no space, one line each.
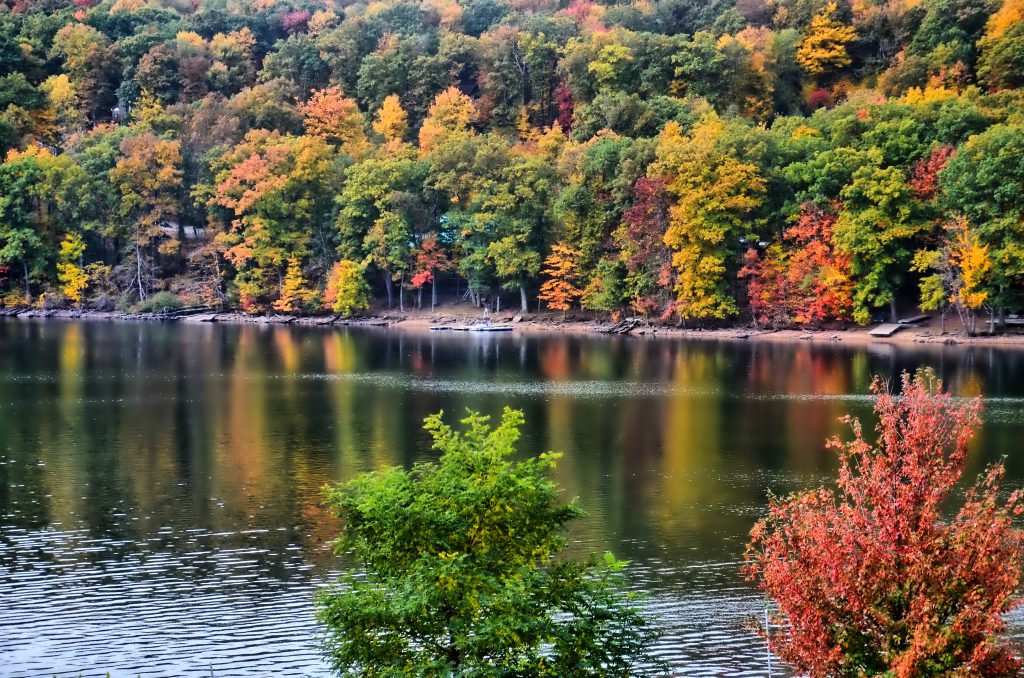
(461,316)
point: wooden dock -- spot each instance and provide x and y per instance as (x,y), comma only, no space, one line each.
(886,330)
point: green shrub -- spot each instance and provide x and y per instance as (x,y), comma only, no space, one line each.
(160,302)
(462,572)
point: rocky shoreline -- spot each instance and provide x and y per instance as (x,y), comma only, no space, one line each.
(469,319)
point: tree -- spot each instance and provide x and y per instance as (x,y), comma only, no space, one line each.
(875,230)
(981,182)
(559,290)
(277,194)
(956,274)
(297,60)
(641,236)
(148,176)
(20,240)
(1001,64)
(64,104)
(295,295)
(378,203)
(924,174)
(808,281)
(347,290)
(769,290)
(450,114)
(333,116)
(392,123)
(430,259)
(73,278)
(824,46)
(89,62)
(716,199)
(461,573)
(871,579)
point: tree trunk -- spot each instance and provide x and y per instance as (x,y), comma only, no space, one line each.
(401,293)
(28,285)
(138,270)
(892,309)
(419,298)
(180,258)
(522,297)
(497,303)
(387,286)
(433,293)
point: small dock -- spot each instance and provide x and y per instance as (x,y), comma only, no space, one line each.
(886,330)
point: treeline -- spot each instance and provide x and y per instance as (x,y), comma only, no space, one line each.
(797,161)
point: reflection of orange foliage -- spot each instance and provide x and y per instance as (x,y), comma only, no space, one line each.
(555,362)
(284,342)
(245,438)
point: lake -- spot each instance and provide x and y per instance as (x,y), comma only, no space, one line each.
(160,485)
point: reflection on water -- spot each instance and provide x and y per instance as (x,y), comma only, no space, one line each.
(160,485)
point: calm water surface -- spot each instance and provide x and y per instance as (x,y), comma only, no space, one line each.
(160,485)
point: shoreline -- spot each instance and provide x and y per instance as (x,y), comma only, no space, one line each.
(447,318)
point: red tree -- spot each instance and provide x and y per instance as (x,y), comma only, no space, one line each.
(924,174)
(821,274)
(807,284)
(430,259)
(770,292)
(642,239)
(566,106)
(295,22)
(870,578)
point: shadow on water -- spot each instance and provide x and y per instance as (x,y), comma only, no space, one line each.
(160,485)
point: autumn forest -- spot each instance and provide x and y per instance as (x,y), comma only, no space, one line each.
(790,162)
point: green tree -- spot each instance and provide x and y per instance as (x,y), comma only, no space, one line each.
(462,573)
(876,230)
(21,243)
(380,204)
(983,182)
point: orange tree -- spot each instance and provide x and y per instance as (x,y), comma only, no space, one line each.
(559,290)
(871,578)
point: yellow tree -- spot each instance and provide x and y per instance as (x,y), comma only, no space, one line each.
(148,176)
(958,274)
(294,292)
(449,115)
(347,290)
(336,118)
(715,196)
(824,45)
(65,105)
(73,278)
(559,290)
(392,122)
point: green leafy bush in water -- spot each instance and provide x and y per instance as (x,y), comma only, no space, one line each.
(461,572)
(159,302)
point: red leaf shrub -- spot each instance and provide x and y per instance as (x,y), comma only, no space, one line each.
(871,578)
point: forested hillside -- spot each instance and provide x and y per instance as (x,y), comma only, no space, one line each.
(798,161)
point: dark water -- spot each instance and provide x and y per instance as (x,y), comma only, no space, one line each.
(160,485)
